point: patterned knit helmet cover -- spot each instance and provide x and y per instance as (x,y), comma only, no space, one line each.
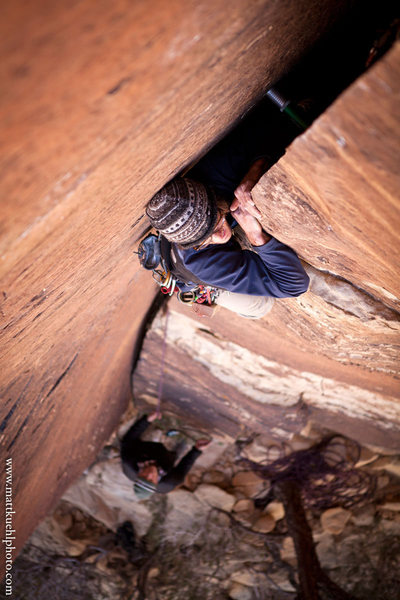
(184,211)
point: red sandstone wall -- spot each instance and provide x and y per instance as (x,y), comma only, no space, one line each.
(335,194)
(101,103)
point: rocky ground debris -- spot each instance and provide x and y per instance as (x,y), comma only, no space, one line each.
(208,540)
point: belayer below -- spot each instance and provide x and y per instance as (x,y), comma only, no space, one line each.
(150,465)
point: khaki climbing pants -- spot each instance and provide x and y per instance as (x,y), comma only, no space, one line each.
(249,307)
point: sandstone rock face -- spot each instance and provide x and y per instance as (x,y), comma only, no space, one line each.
(125,101)
(334,196)
(227,373)
(102,105)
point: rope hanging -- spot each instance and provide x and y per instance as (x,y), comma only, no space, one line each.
(163,353)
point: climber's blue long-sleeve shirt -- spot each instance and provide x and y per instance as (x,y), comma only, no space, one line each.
(273,269)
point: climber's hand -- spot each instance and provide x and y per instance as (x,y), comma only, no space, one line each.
(251,226)
(243,197)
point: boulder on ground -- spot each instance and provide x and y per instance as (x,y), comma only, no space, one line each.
(276,510)
(334,520)
(185,515)
(247,483)
(264,524)
(214,496)
(237,591)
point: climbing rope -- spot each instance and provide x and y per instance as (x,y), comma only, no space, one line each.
(163,353)
(182,430)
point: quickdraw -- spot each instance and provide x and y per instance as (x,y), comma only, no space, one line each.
(165,279)
(202,294)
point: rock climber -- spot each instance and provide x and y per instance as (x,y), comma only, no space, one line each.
(195,214)
(150,465)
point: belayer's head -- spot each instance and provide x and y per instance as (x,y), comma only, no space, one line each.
(186,212)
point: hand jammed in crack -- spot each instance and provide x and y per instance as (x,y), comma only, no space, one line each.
(245,211)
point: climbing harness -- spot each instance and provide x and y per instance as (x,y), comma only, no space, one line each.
(150,257)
